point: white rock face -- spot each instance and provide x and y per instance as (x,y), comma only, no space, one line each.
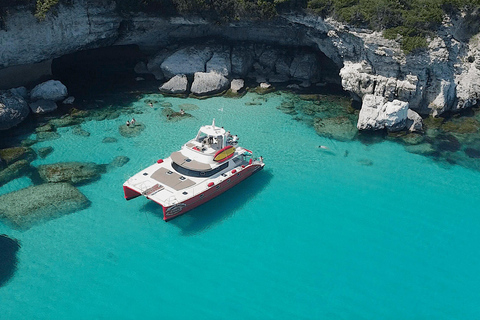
(468,82)
(414,121)
(444,77)
(220,62)
(208,83)
(237,85)
(177,84)
(186,61)
(49,90)
(43,106)
(379,113)
(154,65)
(72,27)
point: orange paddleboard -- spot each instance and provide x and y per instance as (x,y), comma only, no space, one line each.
(224,154)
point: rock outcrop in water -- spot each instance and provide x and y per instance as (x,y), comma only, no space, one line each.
(76,173)
(8,258)
(26,207)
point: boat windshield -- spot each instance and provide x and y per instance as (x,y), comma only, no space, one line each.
(194,173)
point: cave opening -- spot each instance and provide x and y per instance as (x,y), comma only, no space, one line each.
(96,71)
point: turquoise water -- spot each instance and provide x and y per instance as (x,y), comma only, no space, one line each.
(316,235)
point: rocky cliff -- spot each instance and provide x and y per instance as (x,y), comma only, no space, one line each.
(445,77)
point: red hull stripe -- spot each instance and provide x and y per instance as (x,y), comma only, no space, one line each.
(181,208)
(129,193)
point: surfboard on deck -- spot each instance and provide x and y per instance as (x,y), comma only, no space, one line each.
(224,154)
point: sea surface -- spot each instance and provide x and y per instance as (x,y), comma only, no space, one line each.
(353,232)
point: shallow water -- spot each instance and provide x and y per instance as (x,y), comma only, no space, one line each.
(372,233)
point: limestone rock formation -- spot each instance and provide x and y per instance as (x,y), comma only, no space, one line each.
(304,67)
(208,83)
(237,85)
(414,121)
(177,84)
(76,26)
(242,60)
(220,62)
(186,61)
(49,90)
(445,77)
(379,113)
(26,207)
(13,110)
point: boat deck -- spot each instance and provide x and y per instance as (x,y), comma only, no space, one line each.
(172,179)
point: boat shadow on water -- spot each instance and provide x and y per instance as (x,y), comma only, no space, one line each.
(219,208)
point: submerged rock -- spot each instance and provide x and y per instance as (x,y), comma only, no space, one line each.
(11,155)
(109,140)
(287,107)
(14,171)
(118,162)
(339,128)
(461,125)
(472,153)
(77,130)
(8,258)
(425,149)
(447,142)
(73,172)
(26,207)
(188,106)
(45,128)
(132,130)
(65,121)
(46,136)
(44,152)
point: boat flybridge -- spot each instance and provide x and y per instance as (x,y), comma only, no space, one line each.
(202,169)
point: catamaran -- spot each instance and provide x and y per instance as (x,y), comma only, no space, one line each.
(202,169)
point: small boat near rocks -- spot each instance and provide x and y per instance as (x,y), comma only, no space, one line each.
(202,169)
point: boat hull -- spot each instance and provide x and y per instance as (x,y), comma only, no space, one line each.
(180,208)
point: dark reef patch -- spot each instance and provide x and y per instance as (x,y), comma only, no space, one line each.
(472,153)
(8,258)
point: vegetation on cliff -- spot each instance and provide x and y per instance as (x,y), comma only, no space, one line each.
(410,21)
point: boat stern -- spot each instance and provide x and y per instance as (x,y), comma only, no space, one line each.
(129,193)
